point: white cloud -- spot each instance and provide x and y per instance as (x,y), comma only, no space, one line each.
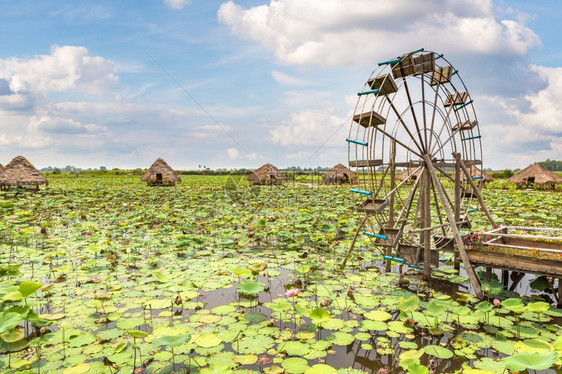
(340,33)
(528,129)
(287,79)
(176,4)
(234,154)
(312,127)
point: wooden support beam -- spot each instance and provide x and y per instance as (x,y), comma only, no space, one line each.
(464,257)
(354,240)
(476,191)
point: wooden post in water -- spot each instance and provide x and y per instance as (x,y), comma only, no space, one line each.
(457,157)
(450,216)
(426,224)
(391,200)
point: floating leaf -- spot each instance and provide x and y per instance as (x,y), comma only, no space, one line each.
(177,340)
(207,340)
(295,348)
(250,287)
(320,369)
(82,367)
(438,351)
(160,277)
(378,315)
(295,365)
(529,360)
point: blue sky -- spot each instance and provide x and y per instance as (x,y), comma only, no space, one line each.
(95,83)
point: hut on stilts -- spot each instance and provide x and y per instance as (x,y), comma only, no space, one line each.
(406,174)
(267,174)
(536,175)
(340,174)
(160,174)
(21,173)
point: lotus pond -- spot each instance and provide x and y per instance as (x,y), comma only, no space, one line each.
(106,275)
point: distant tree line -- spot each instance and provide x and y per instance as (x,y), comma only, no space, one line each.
(552,165)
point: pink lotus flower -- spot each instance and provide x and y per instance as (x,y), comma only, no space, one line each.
(13,218)
(86,236)
(496,302)
(292,292)
(50,236)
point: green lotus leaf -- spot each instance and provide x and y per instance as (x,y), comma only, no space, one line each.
(160,277)
(334,324)
(245,359)
(485,306)
(280,306)
(320,369)
(295,348)
(533,345)
(80,368)
(538,307)
(82,339)
(295,365)
(28,288)
(223,309)
(241,272)
(530,360)
(250,287)
(177,340)
(492,288)
(540,283)
(374,325)
(436,307)
(254,344)
(378,315)
(438,351)
(318,316)
(341,338)
(207,340)
(12,336)
(514,305)
(9,320)
(408,305)
(136,333)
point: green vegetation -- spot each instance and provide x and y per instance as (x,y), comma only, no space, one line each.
(102,274)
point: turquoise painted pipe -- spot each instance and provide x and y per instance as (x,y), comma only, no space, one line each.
(462,106)
(368,92)
(375,235)
(396,60)
(454,72)
(473,137)
(416,51)
(356,142)
(362,192)
(395,259)
(469,211)
(438,57)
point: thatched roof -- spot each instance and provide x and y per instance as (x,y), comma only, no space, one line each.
(340,174)
(160,173)
(476,172)
(406,173)
(267,174)
(537,174)
(21,172)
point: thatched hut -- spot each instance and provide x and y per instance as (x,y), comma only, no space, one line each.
(160,174)
(406,173)
(21,173)
(267,174)
(340,174)
(535,174)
